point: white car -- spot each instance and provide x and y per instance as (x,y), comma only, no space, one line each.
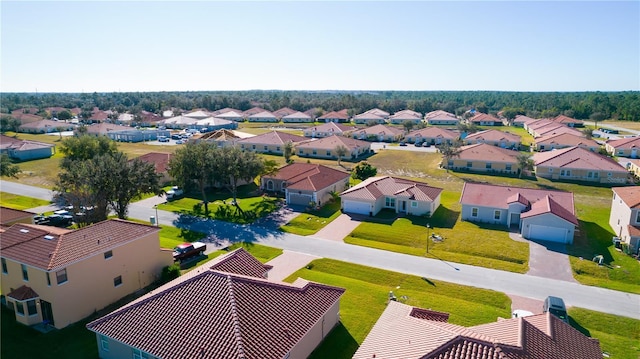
(174,193)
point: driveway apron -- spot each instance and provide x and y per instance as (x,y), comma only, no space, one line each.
(287,263)
(338,229)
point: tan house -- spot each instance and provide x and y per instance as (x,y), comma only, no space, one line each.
(253,111)
(264,116)
(160,162)
(625,216)
(530,126)
(10,216)
(568,121)
(433,135)
(334,116)
(495,138)
(564,140)
(326,148)
(378,112)
(283,112)
(328,129)
(368,117)
(400,195)
(520,121)
(482,157)
(222,310)
(403,116)
(403,331)
(296,117)
(634,167)
(270,142)
(483,119)
(440,117)
(555,129)
(579,164)
(304,183)
(45,126)
(60,277)
(624,147)
(378,133)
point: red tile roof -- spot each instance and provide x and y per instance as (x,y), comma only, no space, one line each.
(295,115)
(439,114)
(159,160)
(263,114)
(285,111)
(555,129)
(493,196)
(8,215)
(308,176)
(7,142)
(253,111)
(333,115)
(566,119)
(523,119)
(548,205)
(43,124)
(330,127)
(542,336)
(47,250)
(577,157)
(406,114)
(273,138)
(103,128)
(434,132)
(489,153)
(225,110)
(630,195)
(220,135)
(567,139)
(367,116)
(220,315)
(241,262)
(625,143)
(331,142)
(493,135)
(379,130)
(23,293)
(376,187)
(378,112)
(483,117)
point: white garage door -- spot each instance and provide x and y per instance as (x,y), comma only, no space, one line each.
(357,207)
(301,199)
(551,234)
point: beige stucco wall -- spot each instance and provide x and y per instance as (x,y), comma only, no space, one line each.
(262,148)
(507,144)
(480,166)
(622,152)
(621,217)
(316,334)
(548,146)
(582,175)
(323,153)
(634,169)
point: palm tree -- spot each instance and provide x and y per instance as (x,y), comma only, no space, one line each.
(449,151)
(340,151)
(525,163)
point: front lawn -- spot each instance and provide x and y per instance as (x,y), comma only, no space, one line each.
(619,336)
(16,201)
(311,222)
(464,242)
(367,292)
(252,203)
(262,253)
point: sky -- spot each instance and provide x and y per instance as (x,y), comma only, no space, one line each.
(118,46)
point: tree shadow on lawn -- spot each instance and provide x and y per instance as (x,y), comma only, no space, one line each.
(444,217)
(592,240)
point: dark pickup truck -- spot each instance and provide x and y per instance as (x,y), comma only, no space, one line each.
(187,250)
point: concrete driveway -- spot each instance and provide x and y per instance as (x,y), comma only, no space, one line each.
(338,229)
(547,259)
(287,263)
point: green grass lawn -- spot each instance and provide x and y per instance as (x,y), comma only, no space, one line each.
(15,201)
(619,336)
(367,295)
(311,222)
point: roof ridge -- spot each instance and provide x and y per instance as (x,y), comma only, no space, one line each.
(237,330)
(52,255)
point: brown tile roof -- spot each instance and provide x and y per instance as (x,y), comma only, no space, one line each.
(493,196)
(630,195)
(428,314)
(554,129)
(253,111)
(7,142)
(541,336)
(225,110)
(46,250)
(159,160)
(308,176)
(493,135)
(625,143)
(567,139)
(8,215)
(378,112)
(483,117)
(406,114)
(27,117)
(376,187)
(273,138)
(331,142)
(23,293)
(566,119)
(548,205)
(285,111)
(241,262)
(523,119)
(541,122)
(220,315)
(489,153)
(42,124)
(330,126)
(220,135)
(104,128)
(25,110)
(379,130)
(333,115)
(434,132)
(577,157)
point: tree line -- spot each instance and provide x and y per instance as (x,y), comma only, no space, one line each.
(581,105)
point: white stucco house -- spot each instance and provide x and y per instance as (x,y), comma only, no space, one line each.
(625,216)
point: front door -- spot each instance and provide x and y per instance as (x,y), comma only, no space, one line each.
(47,312)
(634,153)
(403,206)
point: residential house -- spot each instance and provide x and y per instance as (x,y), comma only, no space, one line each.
(403,116)
(98,115)
(400,195)
(160,162)
(326,148)
(230,115)
(366,118)
(270,142)
(432,135)
(625,216)
(568,121)
(45,126)
(564,140)
(24,150)
(579,164)
(149,118)
(125,133)
(222,137)
(304,183)
(26,115)
(495,138)
(226,110)
(554,129)
(60,277)
(198,114)
(264,116)
(403,331)
(328,129)
(379,133)
(624,147)
(482,157)
(179,122)
(283,112)
(297,117)
(634,167)
(541,122)
(440,117)
(253,111)
(10,216)
(334,116)
(224,311)
(483,119)
(538,214)
(214,124)
(378,112)
(520,121)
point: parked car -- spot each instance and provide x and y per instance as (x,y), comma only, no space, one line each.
(418,144)
(426,144)
(179,142)
(402,143)
(176,136)
(163,139)
(188,250)
(555,306)
(174,193)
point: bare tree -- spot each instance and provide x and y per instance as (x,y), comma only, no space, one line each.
(340,151)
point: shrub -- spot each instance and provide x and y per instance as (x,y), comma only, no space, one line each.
(170,273)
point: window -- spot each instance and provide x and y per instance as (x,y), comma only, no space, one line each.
(590,174)
(25,274)
(104,343)
(414,204)
(242,146)
(328,153)
(389,202)
(19,308)
(4,266)
(488,165)
(278,148)
(301,151)
(117,281)
(108,254)
(469,164)
(550,170)
(596,174)
(31,307)
(474,212)
(508,167)
(61,276)
(266,148)
(253,147)
(139,354)
(496,215)
(638,217)
(49,279)
(314,152)
(621,152)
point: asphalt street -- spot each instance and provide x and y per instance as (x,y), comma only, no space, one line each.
(265,232)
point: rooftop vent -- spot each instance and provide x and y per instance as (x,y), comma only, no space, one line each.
(22,230)
(48,237)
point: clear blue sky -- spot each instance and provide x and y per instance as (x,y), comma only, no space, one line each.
(165,46)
